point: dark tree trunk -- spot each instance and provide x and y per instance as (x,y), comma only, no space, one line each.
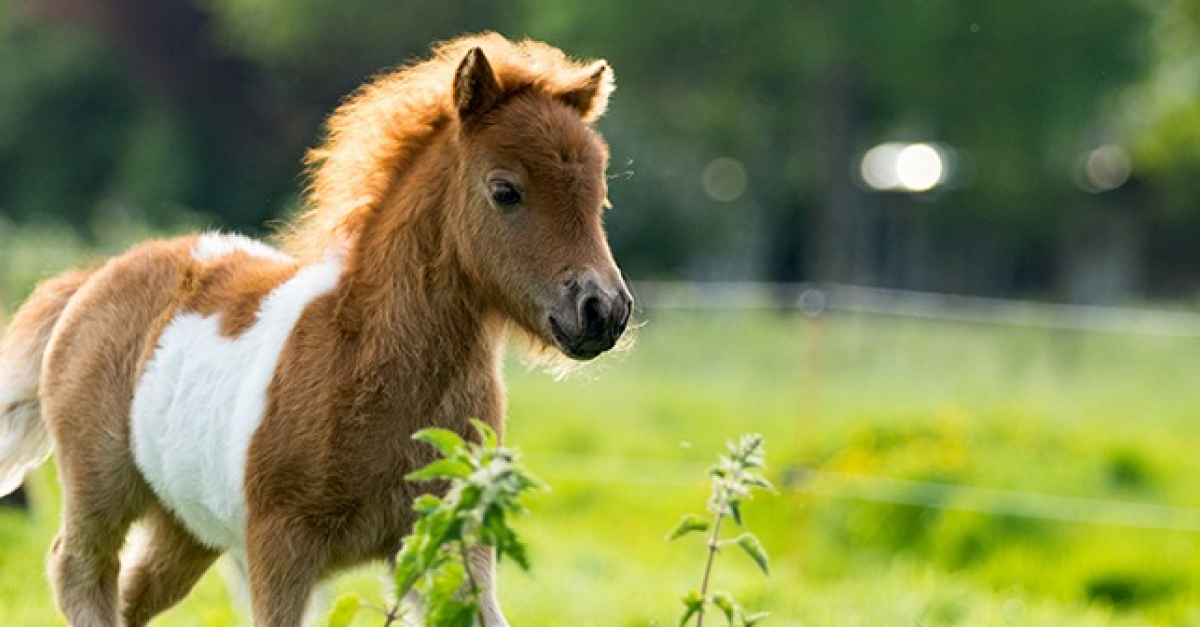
(844,247)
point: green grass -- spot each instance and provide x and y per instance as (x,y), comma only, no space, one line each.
(1095,416)
(625,444)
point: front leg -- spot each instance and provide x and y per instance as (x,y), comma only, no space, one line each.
(285,559)
(483,569)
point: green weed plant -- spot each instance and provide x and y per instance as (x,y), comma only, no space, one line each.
(486,484)
(733,478)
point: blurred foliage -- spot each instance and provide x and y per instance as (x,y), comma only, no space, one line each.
(209,122)
(318,40)
(65,102)
(797,91)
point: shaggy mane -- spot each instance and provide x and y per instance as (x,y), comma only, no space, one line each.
(381,128)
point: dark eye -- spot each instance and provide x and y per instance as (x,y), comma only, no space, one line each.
(503,193)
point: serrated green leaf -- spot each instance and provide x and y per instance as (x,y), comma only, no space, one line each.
(750,544)
(693,602)
(527,481)
(490,438)
(735,511)
(449,443)
(441,469)
(689,523)
(757,481)
(495,521)
(344,610)
(725,603)
(469,496)
(437,528)
(420,551)
(445,583)
(408,568)
(515,550)
(426,503)
(453,613)
(754,619)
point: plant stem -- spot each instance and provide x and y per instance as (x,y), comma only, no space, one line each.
(391,611)
(474,585)
(391,615)
(712,554)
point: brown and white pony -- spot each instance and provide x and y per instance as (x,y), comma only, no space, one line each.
(239,398)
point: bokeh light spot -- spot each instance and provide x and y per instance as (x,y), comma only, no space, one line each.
(724,179)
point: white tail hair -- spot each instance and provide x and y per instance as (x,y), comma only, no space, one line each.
(24,441)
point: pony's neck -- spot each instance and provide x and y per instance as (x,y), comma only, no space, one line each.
(405,294)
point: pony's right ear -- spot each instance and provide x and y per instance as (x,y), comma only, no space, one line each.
(476,90)
(590,96)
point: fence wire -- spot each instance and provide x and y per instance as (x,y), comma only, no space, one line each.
(800,480)
(817,299)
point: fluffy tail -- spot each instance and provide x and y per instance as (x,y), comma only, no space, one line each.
(24,441)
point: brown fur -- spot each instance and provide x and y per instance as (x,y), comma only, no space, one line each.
(435,271)
(233,286)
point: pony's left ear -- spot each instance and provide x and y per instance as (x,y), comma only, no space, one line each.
(590,95)
(476,89)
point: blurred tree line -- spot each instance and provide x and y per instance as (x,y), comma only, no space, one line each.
(736,131)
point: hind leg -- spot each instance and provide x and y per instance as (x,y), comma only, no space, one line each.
(83,575)
(103,494)
(91,365)
(162,566)
(84,560)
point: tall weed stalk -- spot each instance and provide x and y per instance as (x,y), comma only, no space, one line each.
(733,478)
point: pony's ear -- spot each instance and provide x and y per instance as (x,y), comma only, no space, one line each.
(476,90)
(590,96)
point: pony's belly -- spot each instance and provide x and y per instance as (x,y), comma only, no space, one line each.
(194,411)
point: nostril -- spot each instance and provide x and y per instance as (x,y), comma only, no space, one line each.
(591,314)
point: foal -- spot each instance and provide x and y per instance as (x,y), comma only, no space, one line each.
(234,397)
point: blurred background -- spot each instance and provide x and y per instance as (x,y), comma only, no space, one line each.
(944,254)
(1060,153)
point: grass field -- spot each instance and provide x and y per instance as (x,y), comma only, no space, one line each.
(975,418)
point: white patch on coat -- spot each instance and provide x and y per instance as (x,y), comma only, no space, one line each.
(200,400)
(214,245)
